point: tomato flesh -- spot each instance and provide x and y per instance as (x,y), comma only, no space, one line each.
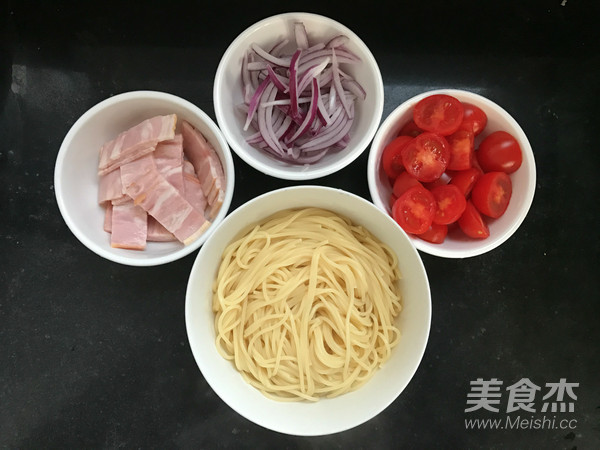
(461,150)
(474,119)
(439,113)
(414,210)
(451,203)
(391,159)
(426,156)
(491,194)
(499,151)
(436,234)
(472,224)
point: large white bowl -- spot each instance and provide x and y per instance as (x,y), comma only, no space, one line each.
(227,93)
(456,244)
(76,171)
(327,415)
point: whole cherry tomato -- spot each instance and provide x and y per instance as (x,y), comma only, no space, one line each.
(499,151)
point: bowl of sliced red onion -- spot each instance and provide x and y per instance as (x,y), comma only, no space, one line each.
(298,96)
(143,178)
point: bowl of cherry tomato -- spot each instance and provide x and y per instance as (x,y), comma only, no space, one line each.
(455,171)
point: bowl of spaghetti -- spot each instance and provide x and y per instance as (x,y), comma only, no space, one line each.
(308,310)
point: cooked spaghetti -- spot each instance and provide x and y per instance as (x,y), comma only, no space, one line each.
(305,304)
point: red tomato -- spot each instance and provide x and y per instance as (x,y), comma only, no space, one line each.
(435,234)
(391,159)
(439,113)
(474,119)
(466,179)
(472,224)
(410,129)
(491,194)
(451,203)
(393,199)
(414,210)
(461,150)
(404,182)
(499,151)
(426,156)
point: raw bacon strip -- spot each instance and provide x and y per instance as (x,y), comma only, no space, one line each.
(168,157)
(158,233)
(161,200)
(108,218)
(193,189)
(129,226)
(207,165)
(110,187)
(136,142)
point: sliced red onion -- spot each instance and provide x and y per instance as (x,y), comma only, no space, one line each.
(278,47)
(337,41)
(301,36)
(294,84)
(253,106)
(270,58)
(292,122)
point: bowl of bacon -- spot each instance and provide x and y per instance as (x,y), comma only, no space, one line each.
(143,178)
(298,96)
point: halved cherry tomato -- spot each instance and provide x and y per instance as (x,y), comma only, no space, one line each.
(466,179)
(435,234)
(451,203)
(414,210)
(410,129)
(499,151)
(472,224)
(461,149)
(439,113)
(391,159)
(492,193)
(426,156)
(404,182)
(474,119)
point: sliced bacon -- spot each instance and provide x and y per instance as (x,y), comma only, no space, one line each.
(108,217)
(207,165)
(161,200)
(110,187)
(136,142)
(193,188)
(168,157)
(158,233)
(129,226)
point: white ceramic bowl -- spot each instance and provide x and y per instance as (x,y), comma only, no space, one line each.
(456,244)
(227,94)
(76,178)
(327,415)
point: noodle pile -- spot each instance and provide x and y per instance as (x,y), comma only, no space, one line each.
(305,304)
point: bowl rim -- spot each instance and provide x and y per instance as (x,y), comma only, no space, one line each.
(202,359)
(226,160)
(528,155)
(308,172)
